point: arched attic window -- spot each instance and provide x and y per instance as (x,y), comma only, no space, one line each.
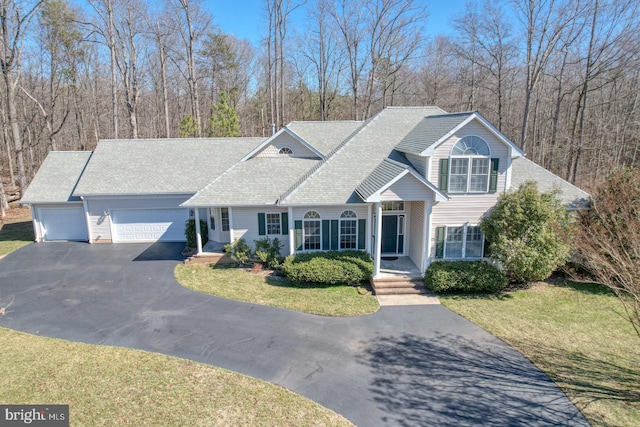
(285,151)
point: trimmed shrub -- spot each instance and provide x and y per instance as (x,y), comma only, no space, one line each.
(268,251)
(190,232)
(239,251)
(329,268)
(464,276)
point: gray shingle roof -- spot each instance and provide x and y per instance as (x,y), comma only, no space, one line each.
(160,166)
(335,181)
(257,181)
(429,131)
(524,169)
(57,178)
(324,136)
(381,176)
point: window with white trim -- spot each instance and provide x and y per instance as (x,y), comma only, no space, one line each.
(470,166)
(273,223)
(348,230)
(311,231)
(224,219)
(285,151)
(466,241)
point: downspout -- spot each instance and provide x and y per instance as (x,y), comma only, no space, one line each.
(231,238)
(428,210)
(369,235)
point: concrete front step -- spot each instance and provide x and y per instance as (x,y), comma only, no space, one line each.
(208,259)
(398,286)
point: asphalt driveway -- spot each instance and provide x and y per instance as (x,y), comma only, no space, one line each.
(408,366)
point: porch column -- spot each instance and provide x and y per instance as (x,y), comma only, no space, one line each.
(198,231)
(378,240)
(368,247)
(231,239)
(292,237)
(428,213)
(85,208)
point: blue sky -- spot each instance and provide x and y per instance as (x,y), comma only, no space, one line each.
(244,18)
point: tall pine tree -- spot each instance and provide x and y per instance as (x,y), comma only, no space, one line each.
(224,120)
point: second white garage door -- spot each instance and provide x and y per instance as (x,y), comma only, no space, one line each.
(63,223)
(148,225)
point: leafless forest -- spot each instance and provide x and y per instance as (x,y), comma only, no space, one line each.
(561,78)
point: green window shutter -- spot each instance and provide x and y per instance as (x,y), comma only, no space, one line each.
(362,233)
(334,234)
(297,226)
(284,223)
(326,234)
(440,235)
(443,181)
(262,224)
(486,252)
(493,177)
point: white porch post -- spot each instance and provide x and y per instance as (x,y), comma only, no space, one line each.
(230,210)
(427,249)
(368,247)
(198,231)
(292,237)
(378,240)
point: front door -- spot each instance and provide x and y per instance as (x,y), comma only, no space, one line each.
(392,234)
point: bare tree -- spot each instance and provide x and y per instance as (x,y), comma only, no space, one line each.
(15,19)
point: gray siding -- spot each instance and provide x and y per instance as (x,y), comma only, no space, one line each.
(245,225)
(419,163)
(286,140)
(407,188)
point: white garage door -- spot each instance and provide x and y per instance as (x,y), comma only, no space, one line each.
(63,224)
(149,225)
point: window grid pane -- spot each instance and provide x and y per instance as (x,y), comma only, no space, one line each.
(458,180)
(224,219)
(348,234)
(479,174)
(474,244)
(273,223)
(312,235)
(453,246)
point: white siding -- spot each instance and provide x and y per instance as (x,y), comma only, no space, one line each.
(286,140)
(419,163)
(407,188)
(245,225)
(498,150)
(100,208)
(415,231)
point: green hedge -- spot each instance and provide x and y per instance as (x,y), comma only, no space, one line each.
(190,232)
(329,268)
(464,276)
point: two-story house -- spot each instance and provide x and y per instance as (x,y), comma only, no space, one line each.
(410,182)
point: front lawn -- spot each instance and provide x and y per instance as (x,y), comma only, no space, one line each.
(16,230)
(110,386)
(575,333)
(237,284)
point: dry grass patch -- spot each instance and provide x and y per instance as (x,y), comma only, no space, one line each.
(109,386)
(237,284)
(575,333)
(16,230)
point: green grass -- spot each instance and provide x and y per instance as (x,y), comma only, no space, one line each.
(109,386)
(237,284)
(576,334)
(15,235)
